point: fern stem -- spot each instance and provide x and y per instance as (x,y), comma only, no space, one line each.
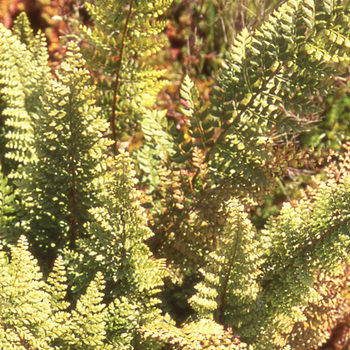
(222,308)
(73,227)
(117,81)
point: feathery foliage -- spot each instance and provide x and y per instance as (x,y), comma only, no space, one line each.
(189,270)
(120,46)
(204,334)
(268,90)
(230,289)
(59,192)
(116,246)
(7,206)
(23,77)
(305,246)
(125,35)
(34,314)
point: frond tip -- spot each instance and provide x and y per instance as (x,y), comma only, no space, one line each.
(204,334)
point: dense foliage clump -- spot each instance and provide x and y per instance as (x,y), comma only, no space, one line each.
(124,229)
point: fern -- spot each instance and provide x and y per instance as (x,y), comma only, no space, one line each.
(230,290)
(35,314)
(88,330)
(116,246)
(123,40)
(316,232)
(59,193)
(23,76)
(303,247)
(156,148)
(58,324)
(25,306)
(57,285)
(201,126)
(266,93)
(326,311)
(7,205)
(122,44)
(204,334)
(193,252)
(265,90)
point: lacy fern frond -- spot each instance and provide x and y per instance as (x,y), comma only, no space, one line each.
(118,233)
(201,126)
(268,89)
(23,77)
(116,246)
(203,334)
(7,205)
(34,313)
(25,305)
(269,286)
(308,240)
(71,150)
(57,285)
(230,290)
(327,312)
(123,40)
(156,149)
(88,319)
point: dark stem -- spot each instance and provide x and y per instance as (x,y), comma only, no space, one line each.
(73,227)
(221,316)
(117,82)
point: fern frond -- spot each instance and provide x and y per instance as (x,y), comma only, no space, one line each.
(119,231)
(57,285)
(230,290)
(268,86)
(23,77)
(7,205)
(203,334)
(71,151)
(326,311)
(116,245)
(19,133)
(156,149)
(307,240)
(88,319)
(201,126)
(122,41)
(25,304)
